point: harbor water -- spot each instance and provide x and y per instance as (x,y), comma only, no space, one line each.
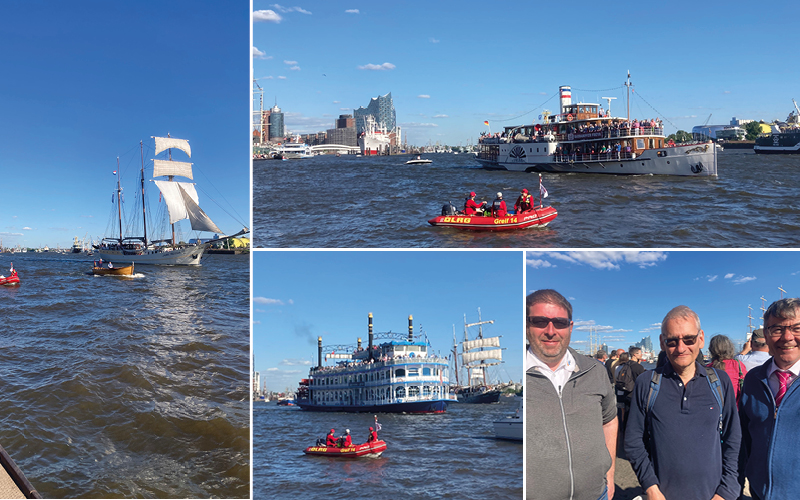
(127,387)
(453,455)
(352,202)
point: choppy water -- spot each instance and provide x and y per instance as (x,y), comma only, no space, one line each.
(451,455)
(115,387)
(325,202)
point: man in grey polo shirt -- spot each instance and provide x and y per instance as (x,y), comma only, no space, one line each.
(570,410)
(755,352)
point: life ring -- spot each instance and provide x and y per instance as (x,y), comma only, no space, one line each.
(569,117)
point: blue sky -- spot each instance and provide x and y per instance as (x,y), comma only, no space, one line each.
(300,295)
(84,83)
(451,65)
(625,295)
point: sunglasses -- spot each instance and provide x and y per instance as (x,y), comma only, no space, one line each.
(543,321)
(687,340)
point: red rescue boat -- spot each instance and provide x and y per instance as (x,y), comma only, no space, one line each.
(371,449)
(534,217)
(11,280)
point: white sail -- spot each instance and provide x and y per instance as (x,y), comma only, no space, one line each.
(199,220)
(164,143)
(174,199)
(164,167)
(471,357)
(477,343)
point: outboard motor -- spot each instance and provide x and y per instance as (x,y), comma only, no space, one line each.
(449,209)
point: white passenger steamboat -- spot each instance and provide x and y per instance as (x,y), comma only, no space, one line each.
(582,138)
(401,375)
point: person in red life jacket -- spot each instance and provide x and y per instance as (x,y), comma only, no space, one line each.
(346,439)
(524,202)
(330,439)
(373,436)
(499,206)
(470,205)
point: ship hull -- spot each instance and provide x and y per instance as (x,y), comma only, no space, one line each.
(487,397)
(436,406)
(784,143)
(185,256)
(536,217)
(695,160)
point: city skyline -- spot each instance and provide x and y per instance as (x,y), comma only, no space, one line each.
(624,295)
(450,69)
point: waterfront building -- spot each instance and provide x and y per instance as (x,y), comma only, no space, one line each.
(276,125)
(344,133)
(382,110)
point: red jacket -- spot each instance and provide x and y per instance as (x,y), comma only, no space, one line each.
(499,208)
(373,436)
(470,205)
(523,203)
(331,440)
(348,441)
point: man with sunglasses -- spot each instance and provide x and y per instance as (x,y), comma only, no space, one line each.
(681,444)
(570,409)
(769,410)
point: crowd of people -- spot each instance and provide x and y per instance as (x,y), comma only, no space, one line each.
(563,130)
(690,429)
(345,440)
(498,207)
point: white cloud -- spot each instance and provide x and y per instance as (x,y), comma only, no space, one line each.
(378,67)
(344,109)
(537,263)
(441,116)
(26,228)
(433,40)
(414,124)
(290,63)
(266,78)
(294,68)
(352,11)
(283,9)
(268,301)
(606,259)
(337,102)
(281,78)
(295,362)
(424,96)
(729,276)
(708,277)
(743,279)
(269,16)
(257,54)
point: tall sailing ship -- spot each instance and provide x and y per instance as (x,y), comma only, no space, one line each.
(399,375)
(182,203)
(477,356)
(582,138)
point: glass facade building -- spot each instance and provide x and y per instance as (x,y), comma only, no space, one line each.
(276,129)
(382,109)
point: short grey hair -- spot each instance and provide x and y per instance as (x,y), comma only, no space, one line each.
(782,309)
(680,312)
(548,296)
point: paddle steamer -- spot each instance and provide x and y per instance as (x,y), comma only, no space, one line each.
(582,138)
(400,375)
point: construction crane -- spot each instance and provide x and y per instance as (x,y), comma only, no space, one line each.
(708,119)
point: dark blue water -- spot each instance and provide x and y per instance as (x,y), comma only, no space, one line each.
(351,202)
(118,387)
(446,456)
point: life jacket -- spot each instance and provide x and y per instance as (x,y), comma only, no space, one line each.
(496,205)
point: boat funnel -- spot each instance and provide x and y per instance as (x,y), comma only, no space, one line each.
(359,343)
(370,337)
(565,93)
(410,329)
(319,352)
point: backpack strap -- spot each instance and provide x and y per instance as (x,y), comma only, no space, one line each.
(655,381)
(716,389)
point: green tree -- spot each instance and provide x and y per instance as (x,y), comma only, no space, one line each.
(753,130)
(680,136)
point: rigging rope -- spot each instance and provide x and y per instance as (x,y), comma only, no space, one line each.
(531,111)
(637,94)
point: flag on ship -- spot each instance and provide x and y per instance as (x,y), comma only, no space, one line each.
(542,190)
(377,425)
(486,122)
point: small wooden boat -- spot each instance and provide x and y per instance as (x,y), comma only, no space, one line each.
(13,483)
(101,270)
(534,217)
(11,280)
(371,449)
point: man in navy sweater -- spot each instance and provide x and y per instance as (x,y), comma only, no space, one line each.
(770,410)
(681,444)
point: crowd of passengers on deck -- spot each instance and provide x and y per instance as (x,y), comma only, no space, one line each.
(539,133)
(354,364)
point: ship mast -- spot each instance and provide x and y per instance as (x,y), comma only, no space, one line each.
(119,203)
(171,178)
(628,84)
(144,212)
(455,355)
(480,336)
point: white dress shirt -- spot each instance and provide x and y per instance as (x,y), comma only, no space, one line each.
(772,377)
(560,375)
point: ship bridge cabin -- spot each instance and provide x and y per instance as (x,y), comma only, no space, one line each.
(579,111)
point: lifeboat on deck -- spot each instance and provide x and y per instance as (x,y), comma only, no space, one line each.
(371,449)
(534,217)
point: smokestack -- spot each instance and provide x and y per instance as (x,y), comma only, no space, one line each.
(410,329)
(370,337)
(565,93)
(359,342)
(319,352)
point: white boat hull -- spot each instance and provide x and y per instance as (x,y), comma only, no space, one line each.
(185,256)
(509,428)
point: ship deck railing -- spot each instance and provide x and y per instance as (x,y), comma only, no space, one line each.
(356,365)
(596,157)
(615,133)
(386,401)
